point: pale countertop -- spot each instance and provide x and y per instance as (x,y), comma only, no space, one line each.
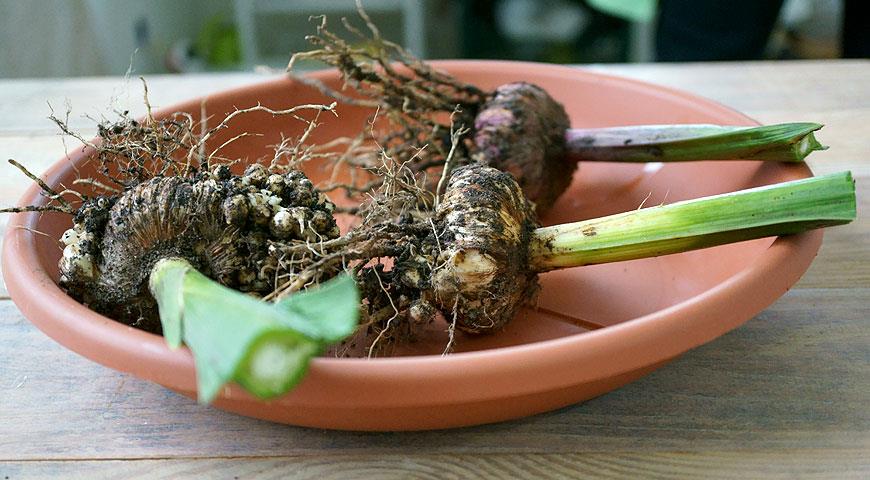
(786,395)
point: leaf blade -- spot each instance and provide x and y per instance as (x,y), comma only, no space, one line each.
(264,347)
(336,318)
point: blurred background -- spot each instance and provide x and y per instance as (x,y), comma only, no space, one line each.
(61,38)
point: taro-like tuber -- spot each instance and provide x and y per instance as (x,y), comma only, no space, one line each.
(517,127)
(174,242)
(475,257)
(488,250)
(220,223)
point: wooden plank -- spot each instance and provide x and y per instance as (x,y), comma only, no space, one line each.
(796,377)
(776,464)
(844,259)
(832,93)
(795,87)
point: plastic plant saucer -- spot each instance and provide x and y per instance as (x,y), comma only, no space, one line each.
(594,328)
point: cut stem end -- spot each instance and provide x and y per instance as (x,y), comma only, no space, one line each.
(786,142)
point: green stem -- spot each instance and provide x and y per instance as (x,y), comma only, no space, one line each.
(264,347)
(780,209)
(787,142)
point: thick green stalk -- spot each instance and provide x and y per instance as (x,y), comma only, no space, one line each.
(264,347)
(780,209)
(787,142)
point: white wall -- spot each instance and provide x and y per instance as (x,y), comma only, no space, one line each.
(62,38)
(94,37)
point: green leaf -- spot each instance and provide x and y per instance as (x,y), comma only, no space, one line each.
(166,284)
(208,380)
(779,209)
(785,142)
(324,313)
(264,347)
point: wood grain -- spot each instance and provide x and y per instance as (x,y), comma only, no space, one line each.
(778,464)
(784,396)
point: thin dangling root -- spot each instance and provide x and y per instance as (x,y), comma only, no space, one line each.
(52,194)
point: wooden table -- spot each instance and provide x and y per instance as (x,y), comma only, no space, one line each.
(786,395)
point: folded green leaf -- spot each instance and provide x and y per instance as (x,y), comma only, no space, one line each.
(166,284)
(264,347)
(335,315)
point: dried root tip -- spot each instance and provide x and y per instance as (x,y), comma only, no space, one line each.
(521,130)
(63,206)
(482,275)
(44,186)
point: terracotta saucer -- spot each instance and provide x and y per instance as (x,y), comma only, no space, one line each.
(594,328)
